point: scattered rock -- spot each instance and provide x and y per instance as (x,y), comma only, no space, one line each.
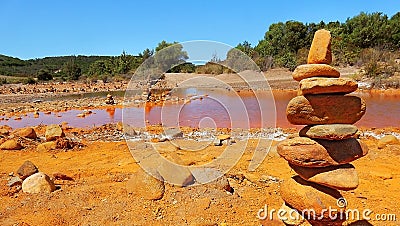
(27,133)
(387,140)
(27,169)
(304,195)
(54,132)
(4,132)
(176,174)
(217,142)
(325,109)
(120,126)
(342,177)
(81,115)
(329,131)
(212,177)
(129,130)
(38,183)
(11,145)
(269,179)
(145,186)
(320,50)
(46,146)
(314,70)
(172,133)
(14,181)
(327,85)
(303,151)
(110,99)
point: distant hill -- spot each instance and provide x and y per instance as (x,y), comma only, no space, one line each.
(11,66)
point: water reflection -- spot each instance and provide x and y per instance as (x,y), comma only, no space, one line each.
(383,110)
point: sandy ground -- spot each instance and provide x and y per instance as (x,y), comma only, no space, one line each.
(98,194)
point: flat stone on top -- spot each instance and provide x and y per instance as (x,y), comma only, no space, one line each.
(320,50)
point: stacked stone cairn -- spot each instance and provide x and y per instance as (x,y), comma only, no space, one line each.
(110,99)
(322,153)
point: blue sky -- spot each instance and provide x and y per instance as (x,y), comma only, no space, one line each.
(35,29)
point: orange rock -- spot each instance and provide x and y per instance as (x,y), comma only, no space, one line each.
(325,109)
(303,195)
(327,85)
(314,70)
(320,51)
(342,177)
(27,133)
(11,145)
(302,151)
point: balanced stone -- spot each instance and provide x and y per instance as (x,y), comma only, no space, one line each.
(303,151)
(314,70)
(318,85)
(314,199)
(325,109)
(329,131)
(342,177)
(320,50)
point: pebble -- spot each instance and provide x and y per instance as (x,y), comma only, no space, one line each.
(27,169)
(11,145)
(54,132)
(387,140)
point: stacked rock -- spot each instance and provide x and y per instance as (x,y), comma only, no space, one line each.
(110,99)
(322,153)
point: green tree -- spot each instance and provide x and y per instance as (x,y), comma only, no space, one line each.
(101,67)
(147,53)
(367,30)
(169,55)
(44,75)
(246,48)
(394,24)
(72,70)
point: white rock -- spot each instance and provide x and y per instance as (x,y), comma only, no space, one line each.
(37,183)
